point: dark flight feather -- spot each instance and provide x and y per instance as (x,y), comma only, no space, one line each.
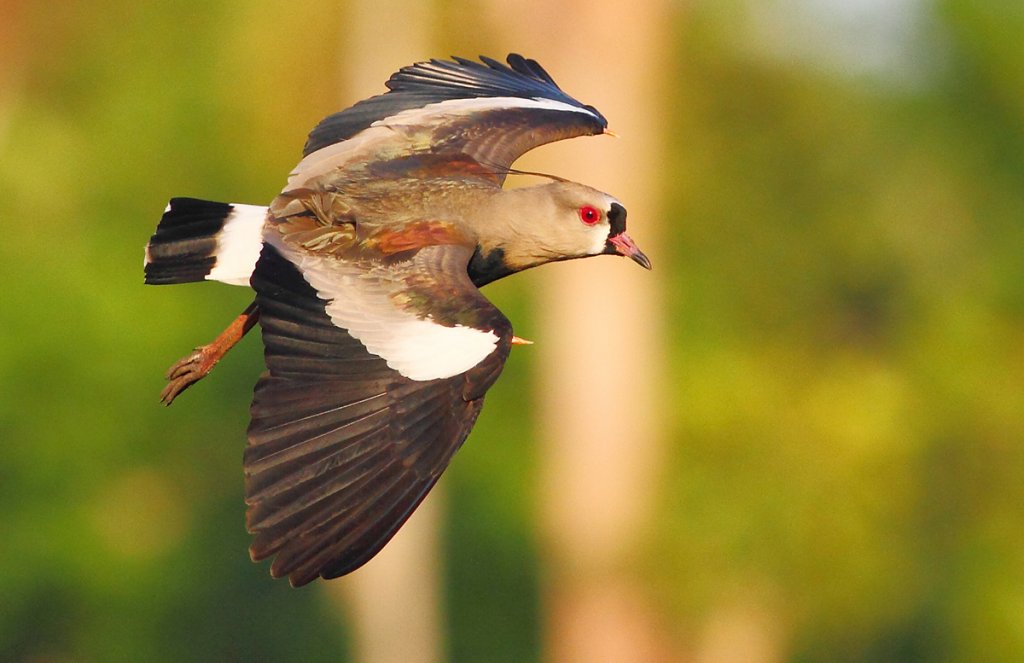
(342,448)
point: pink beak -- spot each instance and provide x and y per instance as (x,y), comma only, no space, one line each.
(624,245)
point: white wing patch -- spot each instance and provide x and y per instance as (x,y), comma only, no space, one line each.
(420,349)
(454,107)
(425,350)
(238,245)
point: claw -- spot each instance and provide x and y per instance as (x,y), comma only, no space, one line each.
(197,365)
(189,370)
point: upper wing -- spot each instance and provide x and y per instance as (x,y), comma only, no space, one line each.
(361,409)
(489,111)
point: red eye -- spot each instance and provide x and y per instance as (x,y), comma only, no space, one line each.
(589,215)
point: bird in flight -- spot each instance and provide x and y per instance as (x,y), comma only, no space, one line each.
(379,345)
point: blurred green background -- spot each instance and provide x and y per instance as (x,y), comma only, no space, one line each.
(843,270)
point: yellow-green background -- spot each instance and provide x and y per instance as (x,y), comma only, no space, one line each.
(843,259)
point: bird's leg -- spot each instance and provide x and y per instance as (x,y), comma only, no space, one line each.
(194,367)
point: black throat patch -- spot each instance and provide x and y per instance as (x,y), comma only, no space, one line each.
(484,268)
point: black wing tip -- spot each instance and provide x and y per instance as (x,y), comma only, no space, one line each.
(437,70)
(486,76)
(514,63)
(530,67)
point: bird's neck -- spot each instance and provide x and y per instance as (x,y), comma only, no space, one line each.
(488,265)
(508,237)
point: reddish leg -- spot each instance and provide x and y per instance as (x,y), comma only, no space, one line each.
(196,366)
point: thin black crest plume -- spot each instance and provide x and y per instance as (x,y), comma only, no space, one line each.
(533,173)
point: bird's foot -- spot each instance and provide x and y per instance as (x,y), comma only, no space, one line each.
(196,366)
(188,370)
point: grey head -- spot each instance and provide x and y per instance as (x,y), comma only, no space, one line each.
(561,220)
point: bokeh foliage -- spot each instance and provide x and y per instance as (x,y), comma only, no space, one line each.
(844,287)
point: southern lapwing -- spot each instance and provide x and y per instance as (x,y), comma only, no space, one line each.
(378,343)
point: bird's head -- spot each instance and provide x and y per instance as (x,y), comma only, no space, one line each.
(598,221)
(559,220)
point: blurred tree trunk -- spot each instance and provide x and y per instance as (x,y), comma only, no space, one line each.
(600,344)
(393,603)
(12,43)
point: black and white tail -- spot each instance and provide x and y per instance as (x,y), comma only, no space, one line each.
(200,240)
